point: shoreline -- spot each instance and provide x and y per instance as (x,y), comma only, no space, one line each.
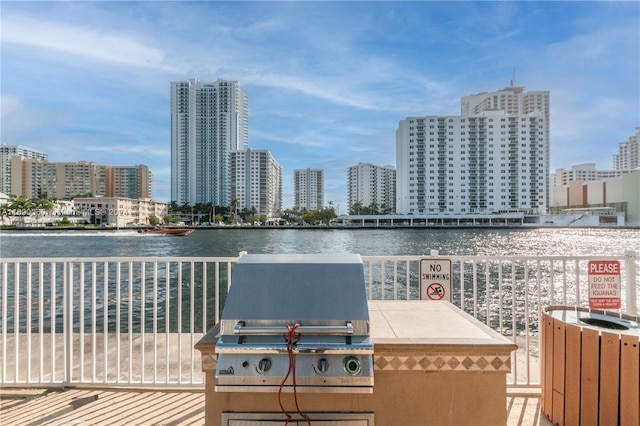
(318,228)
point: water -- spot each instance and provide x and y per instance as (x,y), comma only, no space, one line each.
(143,295)
(369,242)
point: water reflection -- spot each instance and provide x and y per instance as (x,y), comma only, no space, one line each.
(376,242)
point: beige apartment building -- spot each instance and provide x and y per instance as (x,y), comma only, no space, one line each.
(118,211)
(37,178)
(620,192)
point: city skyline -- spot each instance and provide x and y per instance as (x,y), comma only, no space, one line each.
(327,82)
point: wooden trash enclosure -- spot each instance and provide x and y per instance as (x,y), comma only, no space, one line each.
(590,367)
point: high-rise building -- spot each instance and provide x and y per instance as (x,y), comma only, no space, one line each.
(628,157)
(583,172)
(35,178)
(493,157)
(256,182)
(208,122)
(370,185)
(43,179)
(513,100)
(129,182)
(6,153)
(472,164)
(308,188)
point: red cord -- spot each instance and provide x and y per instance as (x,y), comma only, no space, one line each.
(291,337)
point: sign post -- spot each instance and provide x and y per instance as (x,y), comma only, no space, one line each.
(435,279)
(604,284)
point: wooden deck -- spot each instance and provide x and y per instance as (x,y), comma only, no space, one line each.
(82,406)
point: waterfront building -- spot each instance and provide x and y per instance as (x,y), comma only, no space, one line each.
(371,185)
(308,188)
(619,193)
(129,181)
(493,157)
(256,182)
(582,172)
(628,157)
(472,164)
(9,151)
(514,100)
(511,100)
(208,122)
(34,178)
(118,212)
(37,178)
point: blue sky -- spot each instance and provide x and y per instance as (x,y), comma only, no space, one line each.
(327,82)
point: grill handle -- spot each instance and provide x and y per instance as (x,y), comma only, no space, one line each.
(241,329)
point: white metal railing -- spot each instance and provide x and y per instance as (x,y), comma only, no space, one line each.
(135,321)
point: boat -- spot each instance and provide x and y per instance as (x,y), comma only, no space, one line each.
(169,231)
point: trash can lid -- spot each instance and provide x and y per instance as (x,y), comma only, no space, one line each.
(597,321)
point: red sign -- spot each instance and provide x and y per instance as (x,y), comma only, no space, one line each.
(604,284)
(435,279)
(436,291)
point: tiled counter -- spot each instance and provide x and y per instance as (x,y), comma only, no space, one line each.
(433,365)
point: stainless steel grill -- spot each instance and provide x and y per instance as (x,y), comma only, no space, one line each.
(296,321)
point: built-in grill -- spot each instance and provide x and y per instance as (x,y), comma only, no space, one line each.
(295,323)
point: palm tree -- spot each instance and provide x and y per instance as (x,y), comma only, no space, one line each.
(234,205)
(4,211)
(355,208)
(21,206)
(41,205)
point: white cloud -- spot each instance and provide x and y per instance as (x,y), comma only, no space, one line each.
(597,48)
(102,45)
(19,118)
(131,149)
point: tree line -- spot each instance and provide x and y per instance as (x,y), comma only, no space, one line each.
(211,213)
(19,205)
(197,214)
(358,208)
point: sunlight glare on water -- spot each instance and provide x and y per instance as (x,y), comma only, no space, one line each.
(369,242)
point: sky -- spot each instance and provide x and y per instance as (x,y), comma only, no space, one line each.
(327,82)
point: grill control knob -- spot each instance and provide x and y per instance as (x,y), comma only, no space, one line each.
(322,365)
(352,365)
(264,365)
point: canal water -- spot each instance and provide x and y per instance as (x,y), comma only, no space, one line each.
(140,295)
(366,242)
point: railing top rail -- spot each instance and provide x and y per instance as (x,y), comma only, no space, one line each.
(495,257)
(117,259)
(364,257)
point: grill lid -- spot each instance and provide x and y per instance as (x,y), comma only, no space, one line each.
(287,288)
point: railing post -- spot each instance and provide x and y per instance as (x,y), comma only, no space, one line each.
(631,293)
(67,321)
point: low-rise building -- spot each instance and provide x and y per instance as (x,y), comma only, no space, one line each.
(620,192)
(118,212)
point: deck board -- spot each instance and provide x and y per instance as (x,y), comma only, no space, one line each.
(35,407)
(101,406)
